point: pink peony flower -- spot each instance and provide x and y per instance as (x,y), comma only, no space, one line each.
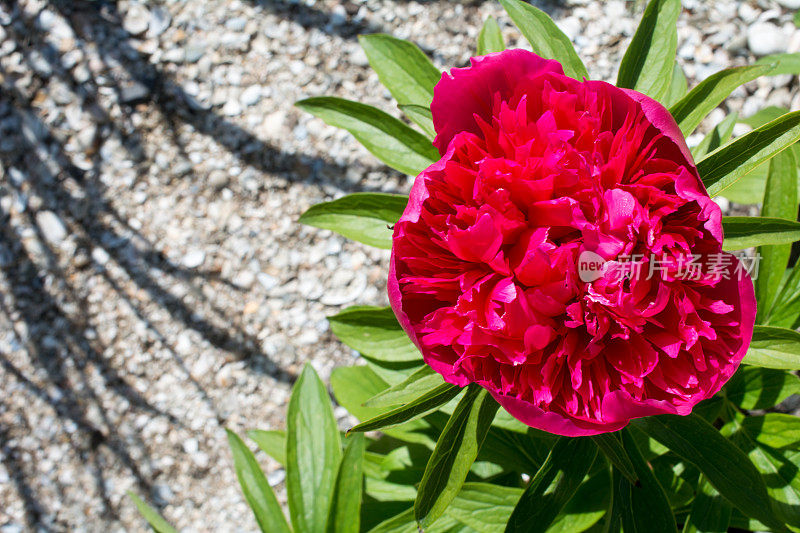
(537,169)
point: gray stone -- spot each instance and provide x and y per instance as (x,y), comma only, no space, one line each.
(193,259)
(236,23)
(765,38)
(136,20)
(133,93)
(52,227)
(250,96)
(159,21)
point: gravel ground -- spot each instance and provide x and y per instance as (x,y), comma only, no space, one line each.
(155,287)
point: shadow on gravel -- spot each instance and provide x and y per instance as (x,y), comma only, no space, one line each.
(65,357)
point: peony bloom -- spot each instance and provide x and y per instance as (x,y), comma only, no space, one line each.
(537,169)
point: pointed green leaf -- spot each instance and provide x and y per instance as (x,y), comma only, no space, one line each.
(363,216)
(390,140)
(375,332)
(773,347)
(750,189)
(422,116)
(760,388)
(313,452)
(745,232)
(272,442)
(455,451)
(710,512)
(726,467)
(412,410)
(644,506)
(546,39)
(257,492)
(354,385)
(612,447)
(780,201)
(649,62)
(154,519)
(418,383)
(402,68)
(762,116)
(723,167)
(553,485)
(491,38)
(690,110)
(784,63)
(677,87)
(346,504)
(718,136)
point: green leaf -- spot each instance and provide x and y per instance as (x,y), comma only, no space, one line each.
(393,142)
(783,63)
(644,506)
(750,188)
(272,442)
(612,447)
(745,232)
(726,165)
(354,385)
(401,523)
(393,372)
(422,116)
(677,87)
(455,451)
(374,332)
(586,507)
(773,347)
(257,492)
(780,201)
(546,39)
(363,216)
(313,452)
(710,512)
(762,116)
(690,110)
(797,19)
(484,507)
(760,388)
(725,466)
(491,38)
(408,74)
(420,382)
(718,136)
(676,478)
(346,504)
(155,520)
(412,410)
(779,467)
(565,467)
(404,523)
(402,68)
(786,310)
(648,64)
